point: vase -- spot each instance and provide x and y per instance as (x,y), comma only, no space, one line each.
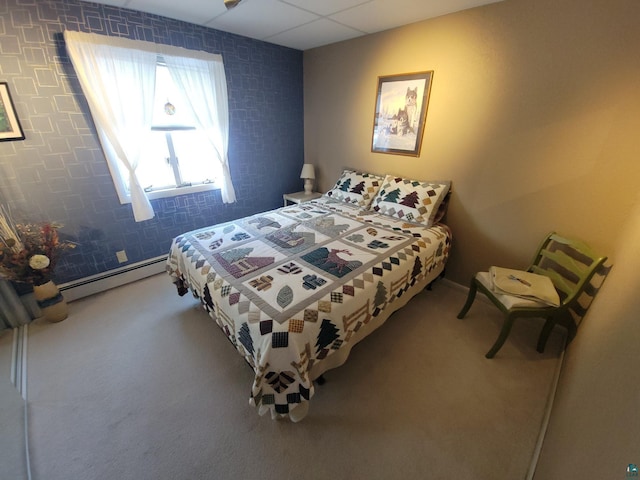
(51,302)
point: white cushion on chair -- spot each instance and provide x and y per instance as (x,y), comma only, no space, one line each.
(509,301)
(528,285)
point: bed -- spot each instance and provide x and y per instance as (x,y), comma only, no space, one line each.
(294,289)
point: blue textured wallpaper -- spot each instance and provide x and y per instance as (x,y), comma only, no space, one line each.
(59,172)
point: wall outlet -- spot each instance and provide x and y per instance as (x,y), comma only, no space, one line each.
(122,256)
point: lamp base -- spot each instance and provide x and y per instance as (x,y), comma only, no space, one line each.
(308,186)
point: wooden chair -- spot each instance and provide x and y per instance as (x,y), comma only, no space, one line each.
(571,266)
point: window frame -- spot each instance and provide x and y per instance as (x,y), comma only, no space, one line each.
(181,187)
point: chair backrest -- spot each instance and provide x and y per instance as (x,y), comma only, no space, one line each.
(569,263)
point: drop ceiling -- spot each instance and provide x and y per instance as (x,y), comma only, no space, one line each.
(300,24)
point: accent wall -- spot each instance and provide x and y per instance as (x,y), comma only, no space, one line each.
(58,173)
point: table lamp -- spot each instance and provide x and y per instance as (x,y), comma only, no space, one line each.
(308,174)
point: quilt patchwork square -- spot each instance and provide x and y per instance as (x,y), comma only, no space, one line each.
(284,286)
(295,238)
(304,211)
(267,222)
(333,225)
(375,239)
(224,236)
(337,258)
(247,258)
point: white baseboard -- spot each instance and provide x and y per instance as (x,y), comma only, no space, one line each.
(19,359)
(113,278)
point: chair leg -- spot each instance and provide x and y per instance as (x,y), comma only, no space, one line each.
(544,334)
(473,288)
(564,320)
(504,333)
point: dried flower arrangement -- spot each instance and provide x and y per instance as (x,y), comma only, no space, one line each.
(28,251)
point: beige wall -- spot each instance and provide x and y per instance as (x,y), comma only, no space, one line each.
(535,117)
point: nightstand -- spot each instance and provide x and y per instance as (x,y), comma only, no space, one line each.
(299,197)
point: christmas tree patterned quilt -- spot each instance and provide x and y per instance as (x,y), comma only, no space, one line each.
(295,286)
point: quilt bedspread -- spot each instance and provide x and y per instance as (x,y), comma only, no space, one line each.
(290,287)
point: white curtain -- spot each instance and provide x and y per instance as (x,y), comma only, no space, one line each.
(119,84)
(207,86)
(117,76)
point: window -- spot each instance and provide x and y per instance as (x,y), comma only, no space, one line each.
(163,127)
(178,153)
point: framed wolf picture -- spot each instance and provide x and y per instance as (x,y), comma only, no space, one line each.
(400,113)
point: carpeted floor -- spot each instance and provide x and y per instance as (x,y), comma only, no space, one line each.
(139,383)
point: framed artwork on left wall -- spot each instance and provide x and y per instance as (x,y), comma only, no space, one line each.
(400,113)
(10,128)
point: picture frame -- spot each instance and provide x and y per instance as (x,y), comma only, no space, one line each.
(400,113)
(10,128)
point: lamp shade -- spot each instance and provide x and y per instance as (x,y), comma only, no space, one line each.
(307,171)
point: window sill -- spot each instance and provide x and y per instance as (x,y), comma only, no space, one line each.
(174,192)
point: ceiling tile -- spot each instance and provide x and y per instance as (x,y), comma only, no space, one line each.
(314,34)
(192,11)
(261,18)
(379,15)
(325,7)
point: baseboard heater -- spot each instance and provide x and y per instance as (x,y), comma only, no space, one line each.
(84,287)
